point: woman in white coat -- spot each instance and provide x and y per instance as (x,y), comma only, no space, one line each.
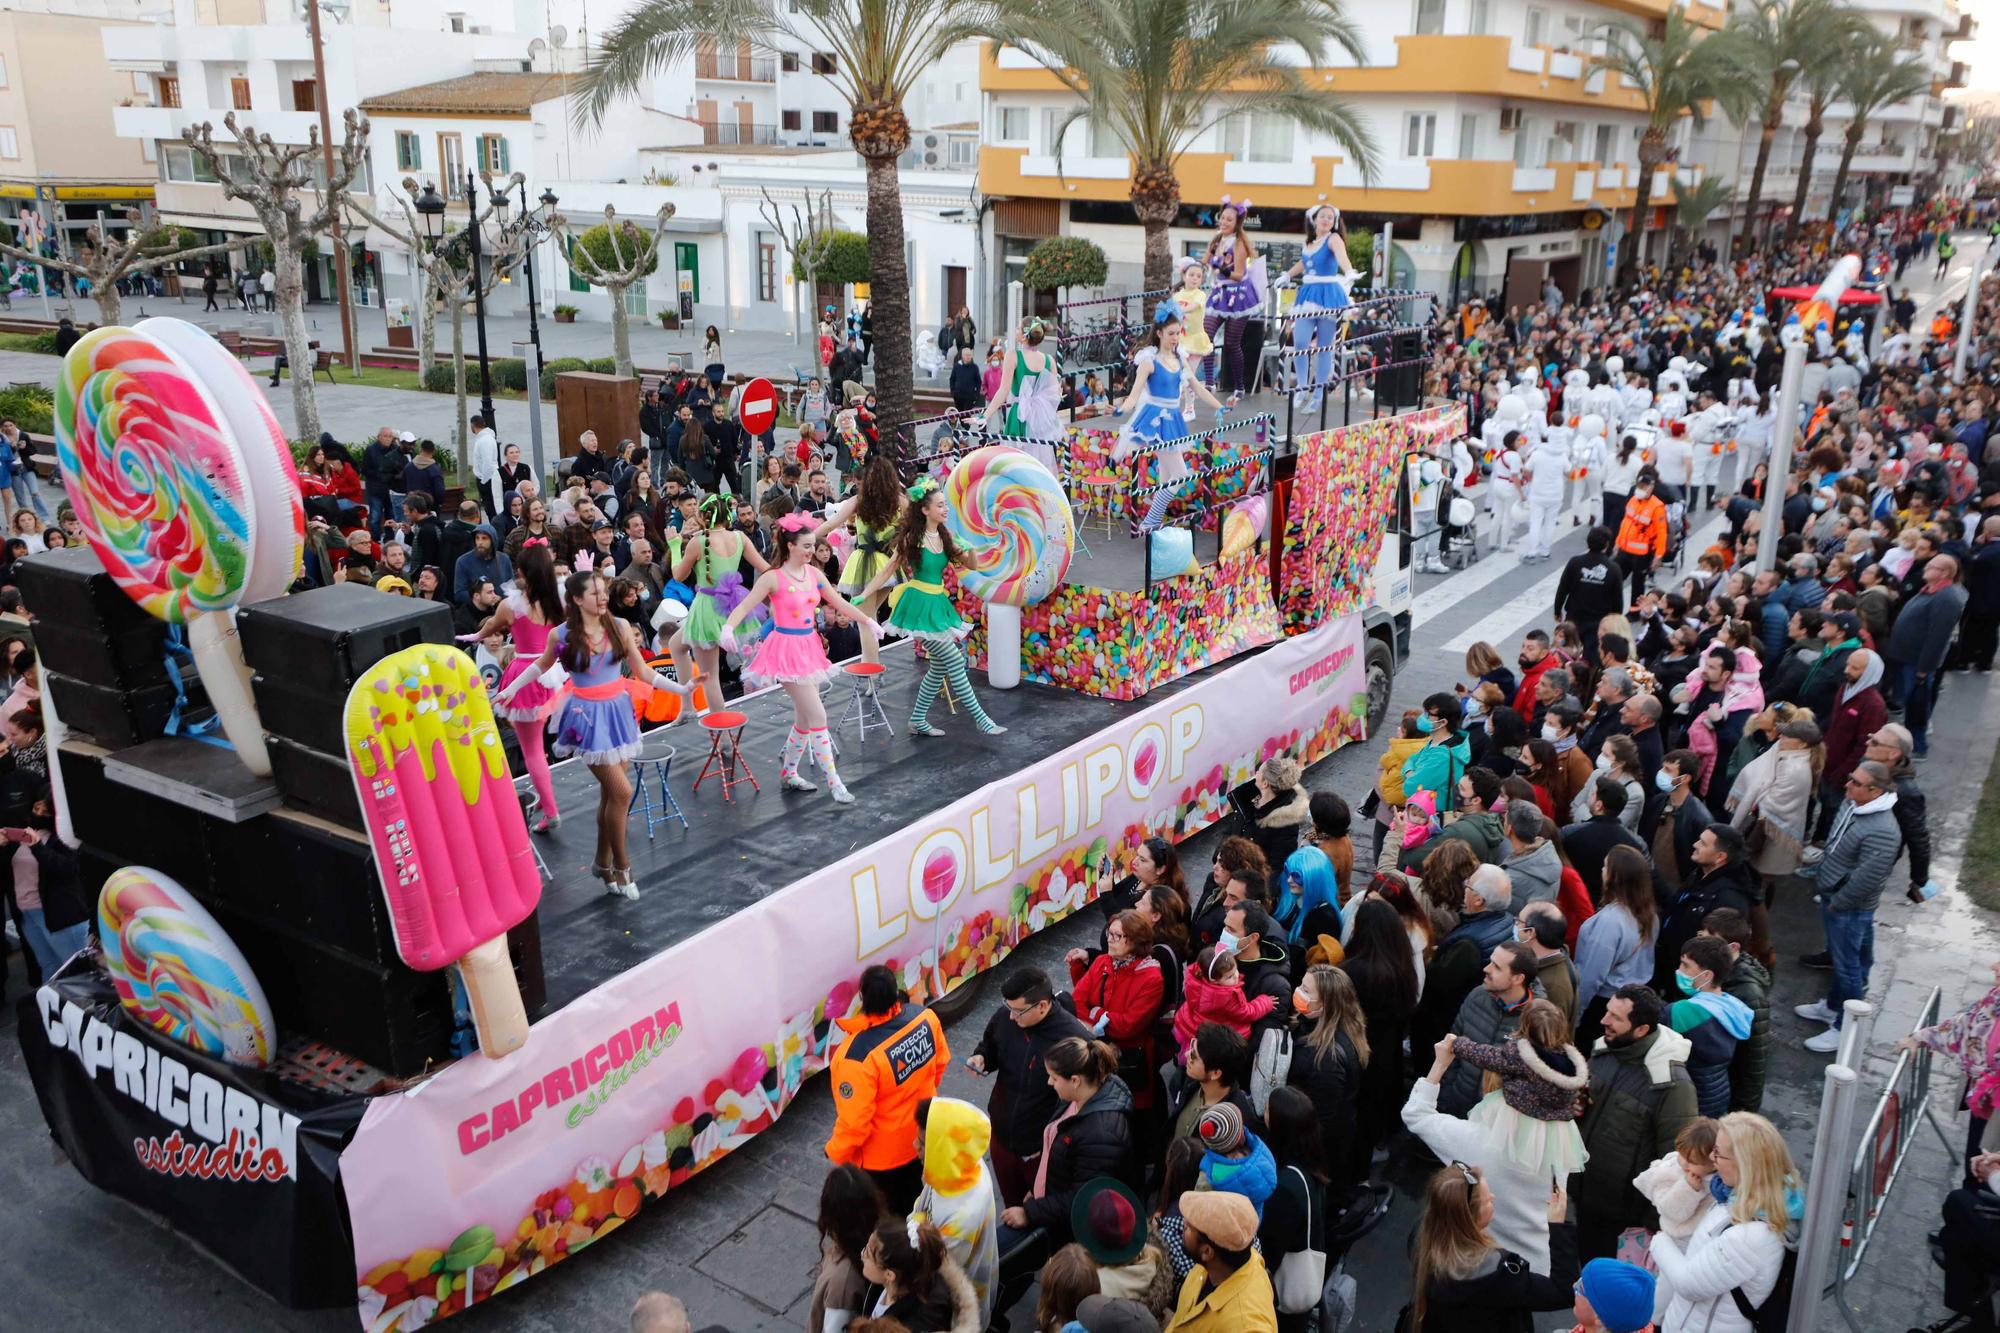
(1740,1246)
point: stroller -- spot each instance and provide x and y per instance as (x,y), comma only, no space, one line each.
(1457,528)
(1677,525)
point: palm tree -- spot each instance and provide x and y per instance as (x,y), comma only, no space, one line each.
(1157,73)
(1695,204)
(1822,79)
(1880,75)
(1676,69)
(1773,41)
(879,51)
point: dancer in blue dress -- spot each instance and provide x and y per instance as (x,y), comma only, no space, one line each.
(1237,291)
(1162,375)
(1322,296)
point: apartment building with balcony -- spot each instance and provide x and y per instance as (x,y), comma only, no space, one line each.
(60,155)
(1502,152)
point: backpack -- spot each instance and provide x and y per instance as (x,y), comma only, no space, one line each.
(1776,1311)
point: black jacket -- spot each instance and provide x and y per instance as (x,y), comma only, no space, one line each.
(1600,729)
(64,903)
(454,540)
(1680,921)
(1096,1141)
(1629,1122)
(1750,983)
(1022,1100)
(1652,753)
(1589,843)
(1591,588)
(1913,821)
(1503,1294)
(427,548)
(1269,974)
(1333,1081)
(967,392)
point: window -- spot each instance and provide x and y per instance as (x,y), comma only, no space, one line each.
(456,22)
(169,90)
(1538,26)
(826,122)
(788,61)
(1104,140)
(493,154)
(767,267)
(239,94)
(3,72)
(1430,16)
(451,165)
(1525,139)
(1253,136)
(1607,146)
(409,151)
(1482,17)
(1053,130)
(10,143)
(823,62)
(1563,140)
(1420,133)
(964,151)
(305,95)
(181,163)
(1468,135)
(1014,124)
(788,120)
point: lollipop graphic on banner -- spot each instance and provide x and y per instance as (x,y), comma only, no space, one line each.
(185,489)
(1010,519)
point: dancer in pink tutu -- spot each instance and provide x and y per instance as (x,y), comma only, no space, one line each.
(529,615)
(792,654)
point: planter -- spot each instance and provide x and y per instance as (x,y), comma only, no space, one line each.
(565,318)
(403,335)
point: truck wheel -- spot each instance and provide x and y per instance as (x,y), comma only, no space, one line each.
(1381,669)
(955,1003)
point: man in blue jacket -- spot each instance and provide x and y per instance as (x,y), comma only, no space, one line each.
(484,561)
(1861,852)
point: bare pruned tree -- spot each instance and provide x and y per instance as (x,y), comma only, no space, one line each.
(802,227)
(280,184)
(104,260)
(614,255)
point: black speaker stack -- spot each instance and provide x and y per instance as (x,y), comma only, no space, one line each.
(296,886)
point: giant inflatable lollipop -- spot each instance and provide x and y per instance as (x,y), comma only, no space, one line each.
(178,971)
(451,846)
(184,486)
(1009,518)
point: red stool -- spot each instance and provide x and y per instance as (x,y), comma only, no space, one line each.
(725,730)
(864,709)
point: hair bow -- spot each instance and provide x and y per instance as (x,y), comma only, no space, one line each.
(796,521)
(1164,311)
(921,488)
(534,541)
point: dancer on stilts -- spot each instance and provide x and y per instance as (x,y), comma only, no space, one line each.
(716,557)
(873,509)
(597,722)
(1238,290)
(1161,374)
(1316,313)
(922,609)
(1031,395)
(529,615)
(791,654)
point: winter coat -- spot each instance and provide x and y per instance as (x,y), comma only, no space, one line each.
(1453,971)
(1573,772)
(64,901)
(1253,1175)
(1486,1019)
(1504,1292)
(1278,825)
(471,567)
(1243,1302)
(1148,1279)
(1126,993)
(1922,633)
(1284,1228)
(886,1065)
(1520,1196)
(1982,579)
(1589,842)
(1536,872)
(1750,983)
(1679,1205)
(1860,852)
(1558,978)
(953,1306)
(1728,886)
(1854,721)
(1096,1141)
(1022,1101)
(1640,1098)
(1436,768)
(837,1286)
(1480,831)
(1912,819)
(959,1197)
(1389,781)
(1825,679)
(1714,1024)
(1333,1082)
(1690,818)
(1524,696)
(1205,1001)
(1718,1258)
(1775,789)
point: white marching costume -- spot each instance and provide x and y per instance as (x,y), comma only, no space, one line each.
(1587,459)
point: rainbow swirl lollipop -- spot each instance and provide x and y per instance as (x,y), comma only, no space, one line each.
(156,476)
(176,970)
(1011,521)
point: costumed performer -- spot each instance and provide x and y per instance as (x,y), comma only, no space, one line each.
(715,557)
(1192,297)
(1161,374)
(873,510)
(1238,292)
(922,609)
(791,654)
(597,723)
(1031,395)
(529,615)
(1322,296)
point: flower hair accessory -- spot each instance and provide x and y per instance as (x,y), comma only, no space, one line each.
(921,488)
(797,521)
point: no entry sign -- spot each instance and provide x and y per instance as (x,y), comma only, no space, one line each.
(757,406)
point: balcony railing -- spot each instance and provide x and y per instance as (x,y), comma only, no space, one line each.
(732,134)
(735,68)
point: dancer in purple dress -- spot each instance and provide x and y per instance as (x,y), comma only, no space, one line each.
(1236,290)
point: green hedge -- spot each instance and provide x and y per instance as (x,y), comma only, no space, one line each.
(510,372)
(551,369)
(30,406)
(300,448)
(439,378)
(603,365)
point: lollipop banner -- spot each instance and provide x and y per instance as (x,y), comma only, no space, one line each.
(185,488)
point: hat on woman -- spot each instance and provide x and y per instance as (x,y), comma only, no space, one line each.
(1108,1220)
(1221,1128)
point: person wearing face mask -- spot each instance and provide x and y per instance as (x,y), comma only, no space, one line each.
(1438,766)
(1675,818)
(1572,770)
(1712,1020)
(1642,532)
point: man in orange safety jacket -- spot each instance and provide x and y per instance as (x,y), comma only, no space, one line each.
(1642,537)
(894,1056)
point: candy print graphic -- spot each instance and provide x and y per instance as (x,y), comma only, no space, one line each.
(1010,519)
(940,874)
(176,970)
(155,475)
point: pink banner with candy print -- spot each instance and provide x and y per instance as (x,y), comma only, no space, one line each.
(481,1177)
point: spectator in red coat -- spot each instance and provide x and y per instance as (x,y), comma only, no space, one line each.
(1857,714)
(1536,658)
(1119,993)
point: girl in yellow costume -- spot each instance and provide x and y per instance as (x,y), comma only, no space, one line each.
(1192,298)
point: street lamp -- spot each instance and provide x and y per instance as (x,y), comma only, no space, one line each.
(430,207)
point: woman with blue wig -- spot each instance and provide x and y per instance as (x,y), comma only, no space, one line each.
(1308,896)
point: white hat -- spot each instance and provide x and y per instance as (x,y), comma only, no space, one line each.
(407,437)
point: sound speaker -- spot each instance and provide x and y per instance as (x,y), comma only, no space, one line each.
(318,643)
(317,781)
(86,628)
(118,718)
(1403,384)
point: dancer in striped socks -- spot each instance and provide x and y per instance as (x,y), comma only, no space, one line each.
(922,609)
(792,654)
